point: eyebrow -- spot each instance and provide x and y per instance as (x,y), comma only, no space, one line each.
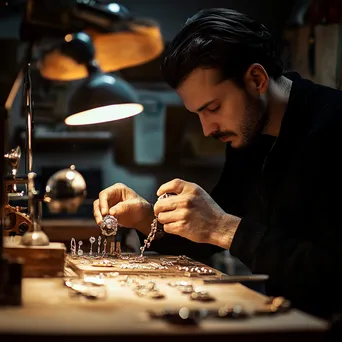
(205,105)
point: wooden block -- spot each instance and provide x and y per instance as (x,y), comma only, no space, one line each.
(38,261)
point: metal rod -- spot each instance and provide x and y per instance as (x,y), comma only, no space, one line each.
(28,113)
(29,119)
(238,279)
(3,114)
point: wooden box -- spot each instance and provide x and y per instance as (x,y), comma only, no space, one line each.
(38,261)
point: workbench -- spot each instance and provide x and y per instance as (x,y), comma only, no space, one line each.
(51,311)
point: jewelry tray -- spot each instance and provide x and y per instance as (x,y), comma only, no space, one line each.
(83,266)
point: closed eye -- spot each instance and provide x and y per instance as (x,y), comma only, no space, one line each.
(213,110)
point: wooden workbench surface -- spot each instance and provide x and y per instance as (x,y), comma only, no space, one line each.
(48,309)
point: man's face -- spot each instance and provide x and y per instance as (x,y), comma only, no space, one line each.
(226,111)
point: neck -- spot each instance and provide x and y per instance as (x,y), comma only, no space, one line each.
(277,99)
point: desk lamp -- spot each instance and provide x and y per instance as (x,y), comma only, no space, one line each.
(47,20)
(99,98)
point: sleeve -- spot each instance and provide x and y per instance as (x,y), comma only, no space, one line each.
(302,253)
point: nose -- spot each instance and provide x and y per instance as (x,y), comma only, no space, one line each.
(208,127)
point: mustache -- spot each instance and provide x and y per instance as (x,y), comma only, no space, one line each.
(218,135)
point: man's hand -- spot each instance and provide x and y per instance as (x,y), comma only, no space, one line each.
(130,209)
(194,215)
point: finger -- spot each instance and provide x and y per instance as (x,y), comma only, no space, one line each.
(167,204)
(173,228)
(179,215)
(172,203)
(97,213)
(113,194)
(175,186)
(103,202)
(123,209)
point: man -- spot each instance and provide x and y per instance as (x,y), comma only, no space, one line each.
(276,206)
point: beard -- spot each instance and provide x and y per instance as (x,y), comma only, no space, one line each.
(254,121)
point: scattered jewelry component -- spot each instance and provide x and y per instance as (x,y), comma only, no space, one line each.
(109,225)
(201,295)
(104,251)
(148,290)
(124,257)
(143,266)
(196,270)
(127,281)
(86,289)
(91,240)
(184,260)
(73,247)
(80,251)
(183,286)
(99,245)
(138,259)
(104,263)
(165,262)
(111,248)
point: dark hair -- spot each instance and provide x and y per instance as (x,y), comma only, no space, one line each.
(224,39)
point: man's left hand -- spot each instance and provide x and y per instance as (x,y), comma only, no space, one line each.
(192,214)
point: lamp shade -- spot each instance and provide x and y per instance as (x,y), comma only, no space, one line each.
(102,98)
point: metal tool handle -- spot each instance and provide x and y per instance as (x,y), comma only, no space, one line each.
(238,279)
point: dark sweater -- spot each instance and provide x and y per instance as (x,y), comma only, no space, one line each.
(286,191)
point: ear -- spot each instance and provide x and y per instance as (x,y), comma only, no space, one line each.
(256,79)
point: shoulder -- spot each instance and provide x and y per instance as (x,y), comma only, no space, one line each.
(320,106)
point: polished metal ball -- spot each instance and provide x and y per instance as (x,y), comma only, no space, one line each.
(65,191)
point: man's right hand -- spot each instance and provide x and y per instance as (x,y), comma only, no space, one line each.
(130,209)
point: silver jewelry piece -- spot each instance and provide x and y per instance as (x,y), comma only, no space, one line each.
(166,262)
(73,247)
(104,251)
(80,252)
(147,290)
(202,296)
(91,240)
(185,287)
(138,259)
(184,260)
(143,266)
(109,225)
(154,229)
(99,245)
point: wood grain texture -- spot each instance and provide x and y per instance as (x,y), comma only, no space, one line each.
(49,310)
(38,261)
